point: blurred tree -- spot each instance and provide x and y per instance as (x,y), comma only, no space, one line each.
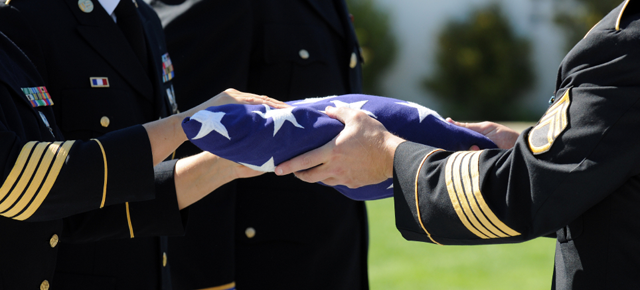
(576,17)
(482,68)
(376,40)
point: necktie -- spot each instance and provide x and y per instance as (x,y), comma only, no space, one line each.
(131,26)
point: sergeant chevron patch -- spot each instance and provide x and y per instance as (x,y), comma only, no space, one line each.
(550,126)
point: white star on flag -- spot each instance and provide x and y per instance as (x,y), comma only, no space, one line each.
(355,106)
(268,166)
(422,111)
(210,122)
(313,100)
(279,117)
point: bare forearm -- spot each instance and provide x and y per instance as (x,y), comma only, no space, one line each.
(198,175)
(165,136)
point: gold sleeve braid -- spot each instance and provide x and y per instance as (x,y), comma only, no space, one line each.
(463,185)
(32,177)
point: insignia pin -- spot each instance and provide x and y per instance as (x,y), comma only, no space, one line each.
(99,82)
(85,5)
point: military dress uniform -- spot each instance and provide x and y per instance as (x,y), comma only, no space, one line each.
(575,173)
(267,232)
(100,84)
(46,179)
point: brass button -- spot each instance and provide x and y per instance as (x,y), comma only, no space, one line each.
(250,232)
(354,60)
(304,54)
(54,241)
(44,285)
(104,121)
(164,259)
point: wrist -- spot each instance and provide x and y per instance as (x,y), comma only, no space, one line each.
(176,124)
(391,144)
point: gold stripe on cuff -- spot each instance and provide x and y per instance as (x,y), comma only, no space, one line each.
(23,157)
(416,195)
(106,171)
(60,158)
(222,287)
(473,211)
(19,188)
(458,200)
(41,172)
(475,173)
(472,189)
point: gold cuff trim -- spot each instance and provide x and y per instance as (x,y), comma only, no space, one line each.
(458,201)
(475,170)
(23,157)
(129,220)
(416,195)
(61,156)
(42,168)
(22,183)
(222,287)
(106,171)
(462,176)
(620,15)
(32,177)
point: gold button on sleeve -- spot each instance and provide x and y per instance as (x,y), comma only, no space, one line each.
(44,285)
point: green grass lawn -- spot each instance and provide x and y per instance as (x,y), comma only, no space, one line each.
(395,263)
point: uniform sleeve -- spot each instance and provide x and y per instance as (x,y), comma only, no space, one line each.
(582,150)
(51,180)
(160,216)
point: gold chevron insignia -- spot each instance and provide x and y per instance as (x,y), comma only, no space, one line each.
(550,126)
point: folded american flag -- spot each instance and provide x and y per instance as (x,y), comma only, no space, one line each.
(261,137)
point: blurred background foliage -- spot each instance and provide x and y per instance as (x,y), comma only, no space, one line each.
(482,68)
(376,40)
(577,17)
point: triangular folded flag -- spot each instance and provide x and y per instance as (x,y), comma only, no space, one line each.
(262,137)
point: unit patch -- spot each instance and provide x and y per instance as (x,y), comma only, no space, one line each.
(550,126)
(167,68)
(38,96)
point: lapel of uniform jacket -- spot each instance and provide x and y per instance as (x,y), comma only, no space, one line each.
(161,102)
(322,7)
(103,34)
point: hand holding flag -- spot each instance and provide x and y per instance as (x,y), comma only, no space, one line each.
(261,137)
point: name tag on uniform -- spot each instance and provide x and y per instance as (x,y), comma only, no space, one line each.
(167,68)
(99,82)
(38,96)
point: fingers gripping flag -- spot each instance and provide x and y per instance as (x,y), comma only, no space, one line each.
(261,137)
